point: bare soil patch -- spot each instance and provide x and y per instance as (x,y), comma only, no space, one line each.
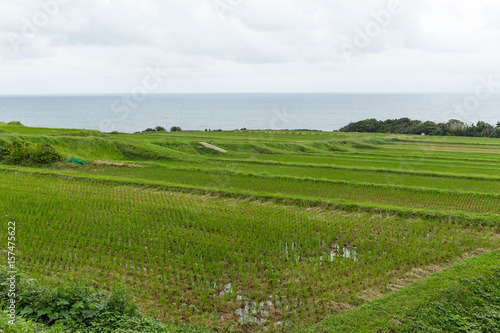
(119,164)
(208,145)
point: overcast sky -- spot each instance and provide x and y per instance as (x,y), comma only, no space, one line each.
(111,46)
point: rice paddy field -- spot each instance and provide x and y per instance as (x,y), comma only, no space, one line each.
(283,231)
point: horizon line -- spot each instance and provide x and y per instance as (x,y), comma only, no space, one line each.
(239,93)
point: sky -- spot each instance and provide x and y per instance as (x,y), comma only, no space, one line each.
(249,46)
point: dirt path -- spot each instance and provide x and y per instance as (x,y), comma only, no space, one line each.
(208,145)
(119,164)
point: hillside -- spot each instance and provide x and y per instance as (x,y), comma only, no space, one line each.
(276,230)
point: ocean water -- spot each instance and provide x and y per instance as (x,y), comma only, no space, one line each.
(326,112)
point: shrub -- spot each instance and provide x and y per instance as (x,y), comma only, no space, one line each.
(18,152)
(15,123)
(76,308)
(160,129)
(22,152)
(27,326)
(4,152)
(76,305)
(175,129)
(156,129)
(43,154)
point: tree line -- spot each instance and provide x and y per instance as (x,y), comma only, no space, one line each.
(453,127)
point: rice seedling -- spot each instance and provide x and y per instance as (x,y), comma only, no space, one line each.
(217,261)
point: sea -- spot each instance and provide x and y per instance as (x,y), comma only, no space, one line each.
(318,111)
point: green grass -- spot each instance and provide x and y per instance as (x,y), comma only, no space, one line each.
(265,217)
(319,188)
(26,326)
(174,250)
(463,298)
(464,182)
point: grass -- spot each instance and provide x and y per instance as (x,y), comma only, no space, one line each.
(327,189)
(462,298)
(113,233)
(295,226)
(26,326)
(74,307)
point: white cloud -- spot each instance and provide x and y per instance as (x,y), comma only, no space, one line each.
(281,45)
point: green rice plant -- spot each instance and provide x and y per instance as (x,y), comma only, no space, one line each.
(194,258)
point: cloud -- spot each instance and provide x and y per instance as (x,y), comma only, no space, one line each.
(255,45)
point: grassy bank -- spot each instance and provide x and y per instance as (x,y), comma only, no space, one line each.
(465,297)
(286,230)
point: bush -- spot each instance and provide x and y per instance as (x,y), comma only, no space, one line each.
(44,154)
(15,123)
(4,152)
(175,129)
(153,130)
(22,152)
(18,152)
(27,326)
(77,308)
(160,129)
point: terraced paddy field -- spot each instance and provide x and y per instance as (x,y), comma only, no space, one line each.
(286,231)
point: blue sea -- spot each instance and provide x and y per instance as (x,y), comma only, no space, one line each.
(127,113)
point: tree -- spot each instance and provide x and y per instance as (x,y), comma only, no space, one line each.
(484,129)
(407,126)
(367,126)
(175,129)
(454,124)
(428,127)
